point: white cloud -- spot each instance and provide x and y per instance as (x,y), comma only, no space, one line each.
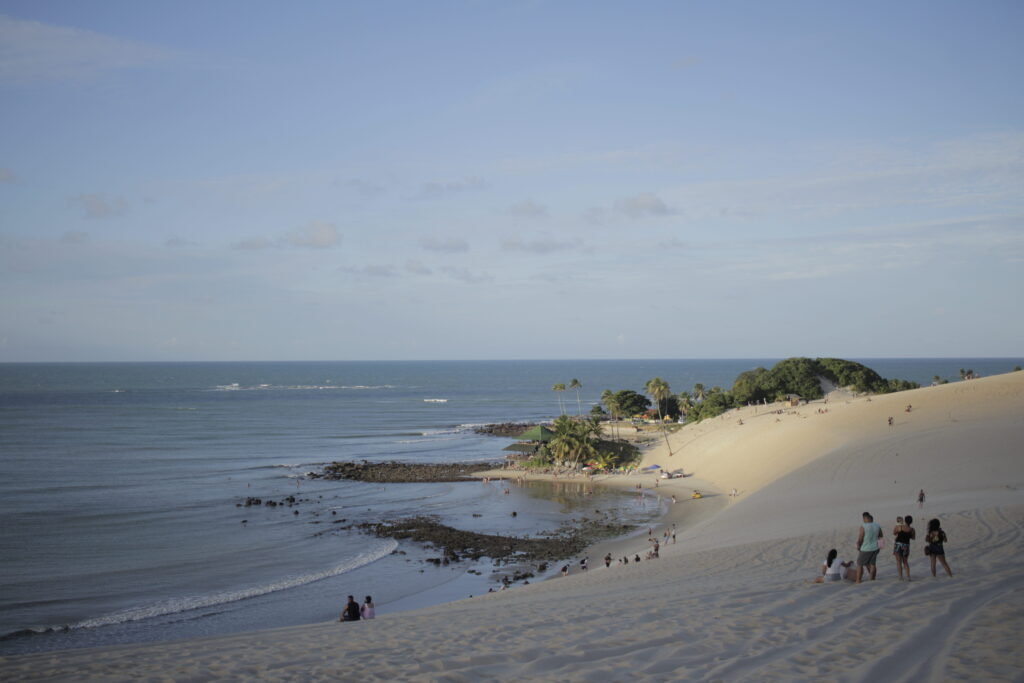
(528,209)
(34,51)
(451,245)
(417,268)
(436,189)
(177,242)
(252,244)
(465,275)
(99,206)
(838,180)
(643,204)
(316,235)
(539,246)
(366,188)
(382,270)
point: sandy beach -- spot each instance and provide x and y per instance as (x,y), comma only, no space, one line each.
(732,599)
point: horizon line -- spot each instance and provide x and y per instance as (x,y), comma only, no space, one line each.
(496,360)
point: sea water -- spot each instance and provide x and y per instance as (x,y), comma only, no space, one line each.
(122,493)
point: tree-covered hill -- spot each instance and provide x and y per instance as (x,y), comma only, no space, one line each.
(802,376)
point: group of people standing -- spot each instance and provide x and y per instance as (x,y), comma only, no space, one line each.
(353,611)
(870,541)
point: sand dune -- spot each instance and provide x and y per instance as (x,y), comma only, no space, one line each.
(730,601)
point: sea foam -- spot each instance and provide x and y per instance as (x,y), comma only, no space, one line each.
(186,603)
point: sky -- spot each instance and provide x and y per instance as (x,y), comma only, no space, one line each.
(252,180)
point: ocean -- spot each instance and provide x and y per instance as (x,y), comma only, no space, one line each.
(121,516)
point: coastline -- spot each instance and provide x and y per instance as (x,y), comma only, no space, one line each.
(731,599)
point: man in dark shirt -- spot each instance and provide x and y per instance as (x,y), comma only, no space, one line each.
(351,611)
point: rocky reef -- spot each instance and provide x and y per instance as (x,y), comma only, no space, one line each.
(456,545)
(507,429)
(399,472)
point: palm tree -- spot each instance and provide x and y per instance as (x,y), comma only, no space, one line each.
(572,439)
(561,447)
(590,429)
(685,403)
(558,389)
(698,391)
(575,384)
(936,379)
(604,460)
(657,389)
(963,374)
(608,399)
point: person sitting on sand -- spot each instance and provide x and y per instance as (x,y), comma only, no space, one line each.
(351,610)
(636,558)
(368,611)
(834,569)
(935,550)
(565,570)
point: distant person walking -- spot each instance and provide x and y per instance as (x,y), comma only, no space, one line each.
(351,610)
(902,535)
(936,538)
(920,499)
(867,547)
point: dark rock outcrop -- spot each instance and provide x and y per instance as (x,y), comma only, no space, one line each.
(457,545)
(509,429)
(398,472)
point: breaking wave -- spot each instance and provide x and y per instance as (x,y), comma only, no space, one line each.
(184,604)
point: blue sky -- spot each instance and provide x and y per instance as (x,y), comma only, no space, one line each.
(463,180)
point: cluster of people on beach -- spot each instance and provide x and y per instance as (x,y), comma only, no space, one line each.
(871,541)
(353,611)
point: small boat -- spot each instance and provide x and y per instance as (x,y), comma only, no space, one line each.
(435,400)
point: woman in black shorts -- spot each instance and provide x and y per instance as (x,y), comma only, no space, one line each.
(902,533)
(935,549)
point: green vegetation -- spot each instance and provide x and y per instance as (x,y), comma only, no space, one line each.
(801,376)
(630,403)
(577,442)
(793,376)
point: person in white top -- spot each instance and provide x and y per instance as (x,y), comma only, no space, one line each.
(834,569)
(367,611)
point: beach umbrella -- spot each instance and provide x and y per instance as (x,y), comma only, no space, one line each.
(538,433)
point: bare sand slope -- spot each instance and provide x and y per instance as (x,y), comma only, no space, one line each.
(731,600)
